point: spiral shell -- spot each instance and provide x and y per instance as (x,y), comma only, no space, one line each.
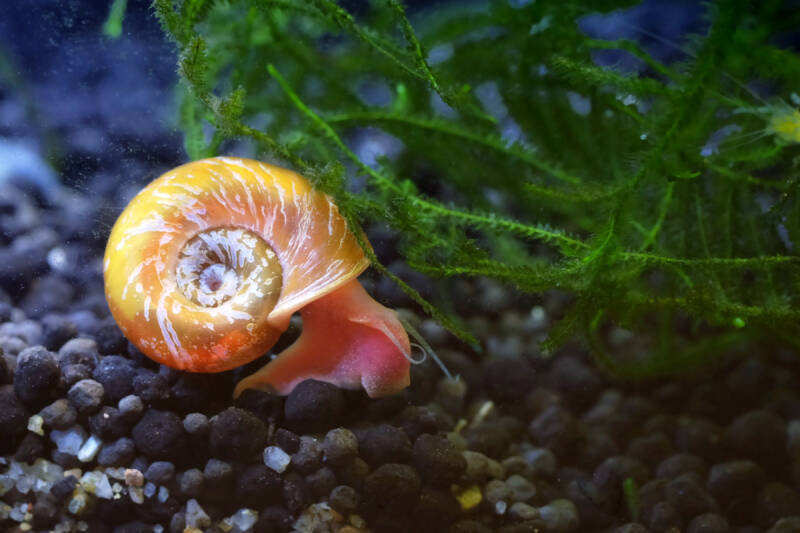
(207,264)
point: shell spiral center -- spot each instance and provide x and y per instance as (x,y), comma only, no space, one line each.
(221,264)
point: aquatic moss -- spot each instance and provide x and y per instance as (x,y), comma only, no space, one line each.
(660,198)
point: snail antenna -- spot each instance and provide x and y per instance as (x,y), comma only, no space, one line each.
(391,336)
(424,346)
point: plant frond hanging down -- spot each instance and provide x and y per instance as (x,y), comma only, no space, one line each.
(506,150)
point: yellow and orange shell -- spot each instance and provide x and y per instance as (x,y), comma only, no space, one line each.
(188,300)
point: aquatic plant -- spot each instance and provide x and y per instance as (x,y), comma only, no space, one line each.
(663,198)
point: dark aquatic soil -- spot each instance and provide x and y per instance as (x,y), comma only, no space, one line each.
(96,437)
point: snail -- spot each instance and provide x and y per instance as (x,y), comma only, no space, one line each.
(207,264)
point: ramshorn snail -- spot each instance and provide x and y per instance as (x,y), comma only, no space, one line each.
(206,265)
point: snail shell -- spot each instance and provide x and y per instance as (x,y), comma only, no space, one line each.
(206,265)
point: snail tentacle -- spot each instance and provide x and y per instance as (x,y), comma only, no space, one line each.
(426,348)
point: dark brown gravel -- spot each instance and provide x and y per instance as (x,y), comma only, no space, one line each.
(548,445)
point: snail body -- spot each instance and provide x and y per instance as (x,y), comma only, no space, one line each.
(206,265)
